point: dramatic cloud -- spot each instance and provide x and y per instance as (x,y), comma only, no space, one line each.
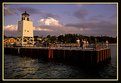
(77,19)
(50,25)
(50,22)
(10,28)
(53,26)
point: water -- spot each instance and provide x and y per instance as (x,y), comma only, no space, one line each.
(16,67)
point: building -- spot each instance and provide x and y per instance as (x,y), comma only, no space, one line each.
(25,30)
(9,41)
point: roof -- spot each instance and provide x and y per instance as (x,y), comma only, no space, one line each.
(25,13)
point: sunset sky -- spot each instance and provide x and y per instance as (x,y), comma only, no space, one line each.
(57,19)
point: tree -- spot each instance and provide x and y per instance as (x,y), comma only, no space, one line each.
(53,39)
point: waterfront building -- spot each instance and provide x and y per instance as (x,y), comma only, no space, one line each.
(107,43)
(9,41)
(78,42)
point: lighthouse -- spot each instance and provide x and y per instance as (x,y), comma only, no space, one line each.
(25,30)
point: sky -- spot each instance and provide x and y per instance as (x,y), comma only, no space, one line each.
(59,19)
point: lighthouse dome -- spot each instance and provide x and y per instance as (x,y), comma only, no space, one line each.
(25,13)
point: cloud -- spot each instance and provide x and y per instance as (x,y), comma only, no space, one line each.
(9,11)
(81,14)
(54,27)
(31,10)
(97,17)
(11,33)
(76,25)
(95,28)
(54,30)
(38,28)
(10,28)
(46,14)
(50,26)
(50,22)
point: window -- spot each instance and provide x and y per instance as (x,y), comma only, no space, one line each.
(25,40)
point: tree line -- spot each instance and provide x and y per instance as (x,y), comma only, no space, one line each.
(71,38)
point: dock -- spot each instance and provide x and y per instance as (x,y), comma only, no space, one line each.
(78,55)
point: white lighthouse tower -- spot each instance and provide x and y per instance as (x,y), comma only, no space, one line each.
(25,30)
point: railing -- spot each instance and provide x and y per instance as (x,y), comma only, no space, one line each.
(93,46)
(65,45)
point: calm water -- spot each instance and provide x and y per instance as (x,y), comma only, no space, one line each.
(24,67)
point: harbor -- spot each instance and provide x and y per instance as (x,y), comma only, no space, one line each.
(54,42)
(72,48)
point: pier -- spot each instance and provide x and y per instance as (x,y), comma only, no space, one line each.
(64,54)
(64,48)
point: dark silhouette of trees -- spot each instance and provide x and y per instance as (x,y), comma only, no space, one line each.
(71,38)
